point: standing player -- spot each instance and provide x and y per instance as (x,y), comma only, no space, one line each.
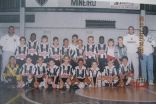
(72,52)
(65,48)
(120,49)
(55,51)
(80,49)
(32,48)
(131,41)
(43,48)
(101,47)
(21,52)
(90,52)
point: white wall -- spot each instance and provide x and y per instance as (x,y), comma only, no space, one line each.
(64,24)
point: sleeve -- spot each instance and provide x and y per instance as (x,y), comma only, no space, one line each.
(2,42)
(18,40)
(21,70)
(124,40)
(98,74)
(33,71)
(116,52)
(16,52)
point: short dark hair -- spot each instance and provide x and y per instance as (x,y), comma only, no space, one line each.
(40,57)
(80,59)
(33,34)
(124,57)
(11,27)
(65,39)
(45,36)
(130,27)
(75,35)
(55,38)
(91,37)
(120,37)
(22,37)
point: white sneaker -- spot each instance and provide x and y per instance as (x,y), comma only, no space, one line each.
(150,82)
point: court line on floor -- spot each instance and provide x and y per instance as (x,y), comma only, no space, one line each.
(27,99)
(13,99)
(114,100)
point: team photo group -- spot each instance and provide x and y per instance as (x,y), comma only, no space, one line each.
(28,63)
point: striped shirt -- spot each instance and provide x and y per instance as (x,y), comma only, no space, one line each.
(21,52)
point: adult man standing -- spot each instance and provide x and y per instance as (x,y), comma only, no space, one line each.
(147,59)
(8,42)
(131,41)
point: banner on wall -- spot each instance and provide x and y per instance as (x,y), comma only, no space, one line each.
(82,4)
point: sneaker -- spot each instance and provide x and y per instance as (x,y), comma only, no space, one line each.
(150,82)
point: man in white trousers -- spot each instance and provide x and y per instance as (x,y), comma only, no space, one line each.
(131,41)
(8,43)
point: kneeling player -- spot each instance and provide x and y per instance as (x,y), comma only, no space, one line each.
(40,72)
(110,77)
(27,71)
(95,75)
(52,74)
(125,73)
(80,73)
(66,72)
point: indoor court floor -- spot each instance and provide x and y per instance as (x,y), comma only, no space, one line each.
(104,95)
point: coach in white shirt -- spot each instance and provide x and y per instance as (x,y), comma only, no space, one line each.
(131,41)
(8,42)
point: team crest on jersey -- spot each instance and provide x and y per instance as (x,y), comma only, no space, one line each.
(41,2)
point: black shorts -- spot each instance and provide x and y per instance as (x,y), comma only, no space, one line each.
(57,62)
(94,80)
(64,80)
(40,80)
(20,62)
(89,62)
(25,78)
(81,80)
(34,58)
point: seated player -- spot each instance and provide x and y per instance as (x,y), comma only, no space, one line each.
(27,71)
(80,75)
(125,72)
(52,74)
(65,73)
(95,75)
(10,71)
(40,73)
(110,74)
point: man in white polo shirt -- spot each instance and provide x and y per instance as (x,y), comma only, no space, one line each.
(131,41)
(8,42)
